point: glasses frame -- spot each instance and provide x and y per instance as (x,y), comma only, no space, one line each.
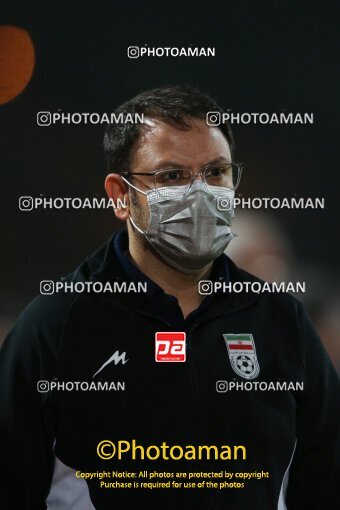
(239,166)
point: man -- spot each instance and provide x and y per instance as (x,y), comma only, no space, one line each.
(172,171)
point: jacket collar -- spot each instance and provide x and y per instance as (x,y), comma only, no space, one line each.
(103,265)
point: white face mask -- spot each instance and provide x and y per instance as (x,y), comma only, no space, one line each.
(188,231)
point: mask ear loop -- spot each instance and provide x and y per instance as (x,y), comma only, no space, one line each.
(132,186)
(130,218)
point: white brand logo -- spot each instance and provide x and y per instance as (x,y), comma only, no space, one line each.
(116,357)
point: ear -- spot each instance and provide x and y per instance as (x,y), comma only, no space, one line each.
(116,189)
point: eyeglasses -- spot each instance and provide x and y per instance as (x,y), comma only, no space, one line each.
(225,175)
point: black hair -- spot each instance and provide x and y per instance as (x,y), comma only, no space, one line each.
(171,103)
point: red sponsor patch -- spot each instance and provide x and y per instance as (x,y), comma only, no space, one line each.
(170,347)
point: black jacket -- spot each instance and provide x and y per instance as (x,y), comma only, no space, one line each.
(69,336)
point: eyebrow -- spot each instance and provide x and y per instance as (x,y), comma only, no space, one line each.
(174,164)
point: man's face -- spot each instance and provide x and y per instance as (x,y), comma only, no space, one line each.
(163,146)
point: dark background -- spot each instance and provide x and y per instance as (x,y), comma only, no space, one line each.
(270,57)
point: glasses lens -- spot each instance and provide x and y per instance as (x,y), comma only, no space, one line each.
(227,175)
(173,177)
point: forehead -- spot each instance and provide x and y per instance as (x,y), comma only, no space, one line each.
(194,147)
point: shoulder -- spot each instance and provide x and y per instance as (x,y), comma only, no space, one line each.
(272,294)
(38,328)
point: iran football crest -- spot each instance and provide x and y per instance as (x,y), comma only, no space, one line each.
(242,355)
